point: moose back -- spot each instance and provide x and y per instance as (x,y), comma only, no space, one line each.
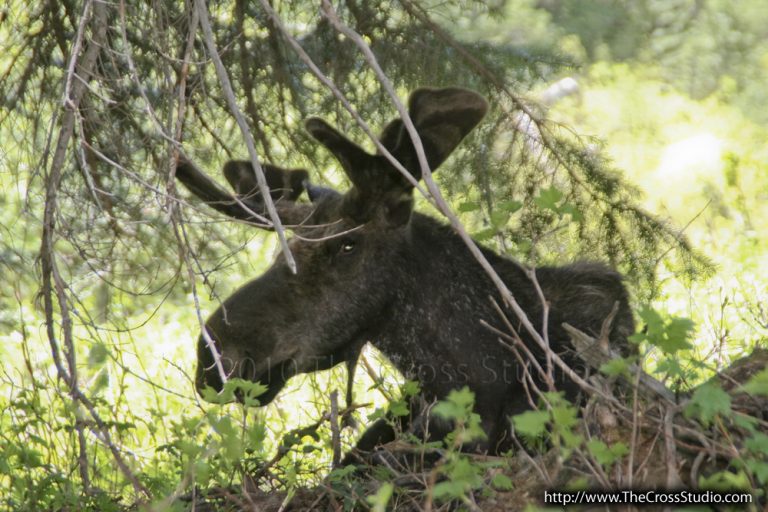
(370,269)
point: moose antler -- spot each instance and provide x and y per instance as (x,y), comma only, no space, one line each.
(285,186)
(442,117)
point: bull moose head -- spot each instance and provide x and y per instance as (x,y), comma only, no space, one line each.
(371,269)
(347,248)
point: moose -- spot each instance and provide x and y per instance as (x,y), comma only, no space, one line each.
(370,269)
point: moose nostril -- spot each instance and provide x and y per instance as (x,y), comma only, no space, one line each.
(207,379)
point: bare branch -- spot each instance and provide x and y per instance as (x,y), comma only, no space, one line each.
(340,96)
(333,419)
(591,352)
(226,87)
(74,92)
(673,475)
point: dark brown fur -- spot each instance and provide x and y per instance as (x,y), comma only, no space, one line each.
(379,272)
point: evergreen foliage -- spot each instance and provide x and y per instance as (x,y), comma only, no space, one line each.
(108,270)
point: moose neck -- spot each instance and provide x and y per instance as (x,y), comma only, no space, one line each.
(433,334)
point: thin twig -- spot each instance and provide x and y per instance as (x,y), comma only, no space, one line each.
(549,377)
(673,475)
(334,423)
(590,351)
(161,129)
(226,87)
(633,439)
(304,57)
(74,92)
(617,203)
(605,329)
(179,231)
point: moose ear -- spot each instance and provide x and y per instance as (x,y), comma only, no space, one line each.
(356,162)
(390,135)
(283,183)
(442,117)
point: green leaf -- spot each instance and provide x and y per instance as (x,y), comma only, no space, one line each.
(569,209)
(502,482)
(211,395)
(340,474)
(606,455)
(571,440)
(499,219)
(548,198)
(758,443)
(246,390)
(484,234)
(380,500)
(411,388)
(616,367)
(670,366)
(531,424)
(678,331)
(448,410)
(202,470)
(463,397)
(758,384)
(652,319)
(565,416)
(671,335)
(399,408)
(229,435)
(510,206)
(462,476)
(377,414)
(468,206)
(725,481)
(97,355)
(29,457)
(257,433)
(39,440)
(759,469)
(457,405)
(523,246)
(708,401)
(290,440)
(580,483)
(748,423)
(101,381)
(448,490)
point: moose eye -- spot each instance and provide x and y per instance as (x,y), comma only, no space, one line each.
(347,247)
